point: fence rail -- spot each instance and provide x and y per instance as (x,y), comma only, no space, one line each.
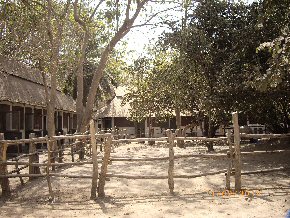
(86,145)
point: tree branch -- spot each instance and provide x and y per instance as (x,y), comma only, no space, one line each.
(48,21)
(153,16)
(128,10)
(95,10)
(77,17)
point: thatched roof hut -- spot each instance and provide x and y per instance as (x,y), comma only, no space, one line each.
(21,84)
(115,107)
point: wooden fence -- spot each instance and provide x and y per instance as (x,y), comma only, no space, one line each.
(86,145)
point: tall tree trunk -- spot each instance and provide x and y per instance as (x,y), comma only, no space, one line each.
(80,86)
(52,94)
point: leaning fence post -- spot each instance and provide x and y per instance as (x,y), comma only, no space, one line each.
(3,168)
(33,157)
(230,156)
(237,155)
(171,160)
(95,160)
(104,167)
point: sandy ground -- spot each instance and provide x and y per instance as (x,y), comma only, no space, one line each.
(200,197)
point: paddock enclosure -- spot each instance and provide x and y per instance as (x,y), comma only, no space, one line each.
(94,158)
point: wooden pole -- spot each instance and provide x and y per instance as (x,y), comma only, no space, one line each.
(18,171)
(230,156)
(104,167)
(171,161)
(102,140)
(6,192)
(82,149)
(49,143)
(33,158)
(237,155)
(72,150)
(95,160)
(60,146)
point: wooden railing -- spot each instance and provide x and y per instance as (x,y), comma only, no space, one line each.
(86,145)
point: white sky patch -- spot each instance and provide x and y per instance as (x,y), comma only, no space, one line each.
(140,37)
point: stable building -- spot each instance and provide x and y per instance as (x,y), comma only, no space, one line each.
(23,103)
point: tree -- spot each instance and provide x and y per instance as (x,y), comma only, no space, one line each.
(85,108)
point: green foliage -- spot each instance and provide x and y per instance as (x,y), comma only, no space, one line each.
(209,66)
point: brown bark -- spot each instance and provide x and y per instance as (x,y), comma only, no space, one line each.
(95,160)
(237,161)
(55,43)
(104,167)
(80,70)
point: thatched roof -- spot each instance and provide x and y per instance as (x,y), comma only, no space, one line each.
(21,84)
(115,108)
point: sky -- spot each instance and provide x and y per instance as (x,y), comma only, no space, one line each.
(138,38)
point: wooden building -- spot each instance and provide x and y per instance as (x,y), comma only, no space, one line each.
(116,116)
(23,104)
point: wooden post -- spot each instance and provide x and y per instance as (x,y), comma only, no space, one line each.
(104,167)
(18,172)
(230,156)
(52,148)
(81,149)
(18,150)
(60,148)
(237,155)
(171,160)
(3,168)
(33,158)
(72,146)
(49,145)
(102,140)
(95,160)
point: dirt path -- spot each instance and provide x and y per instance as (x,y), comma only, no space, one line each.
(200,197)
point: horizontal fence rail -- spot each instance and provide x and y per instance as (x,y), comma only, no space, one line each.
(72,145)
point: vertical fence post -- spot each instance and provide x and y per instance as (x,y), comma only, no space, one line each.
(49,145)
(52,151)
(18,149)
(230,159)
(171,160)
(3,168)
(95,160)
(237,156)
(102,140)
(60,146)
(33,158)
(81,149)
(72,150)
(104,167)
